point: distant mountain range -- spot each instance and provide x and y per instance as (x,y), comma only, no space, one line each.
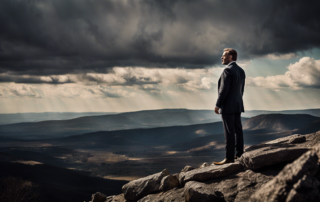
(45,116)
(130,120)
(122,121)
(206,115)
(256,130)
(252,113)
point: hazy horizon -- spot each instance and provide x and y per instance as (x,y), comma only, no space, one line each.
(115,112)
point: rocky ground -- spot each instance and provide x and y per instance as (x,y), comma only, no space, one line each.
(285,169)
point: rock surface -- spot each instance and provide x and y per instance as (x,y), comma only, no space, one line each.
(209,172)
(293,180)
(296,138)
(139,188)
(268,155)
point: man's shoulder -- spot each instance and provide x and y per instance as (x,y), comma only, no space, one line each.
(235,66)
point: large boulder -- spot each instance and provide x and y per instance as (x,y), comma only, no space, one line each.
(236,187)
(209,172)
(139,188)
(169,182)
(262,155)
(196,191)
(173,195)
(297,180)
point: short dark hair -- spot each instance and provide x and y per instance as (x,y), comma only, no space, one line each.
(231,51)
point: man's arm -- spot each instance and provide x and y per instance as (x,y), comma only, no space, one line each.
(224,87)
(244,80)
(216,110)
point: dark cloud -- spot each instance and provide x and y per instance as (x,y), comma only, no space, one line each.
(73,36)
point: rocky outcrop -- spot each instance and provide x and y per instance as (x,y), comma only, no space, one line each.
(268,155)
(286,169)
(139,188)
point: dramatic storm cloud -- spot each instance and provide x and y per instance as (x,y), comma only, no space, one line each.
(129,55)
(91,36)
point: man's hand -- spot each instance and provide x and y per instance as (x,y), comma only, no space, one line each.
(216,110)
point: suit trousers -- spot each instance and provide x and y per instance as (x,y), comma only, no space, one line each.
(233,134)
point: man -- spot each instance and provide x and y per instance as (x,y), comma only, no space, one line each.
(230,103)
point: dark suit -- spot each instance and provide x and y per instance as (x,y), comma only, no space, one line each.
(230,88)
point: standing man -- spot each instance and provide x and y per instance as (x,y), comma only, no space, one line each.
(230,103)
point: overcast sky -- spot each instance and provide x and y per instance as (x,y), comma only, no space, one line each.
(129,55)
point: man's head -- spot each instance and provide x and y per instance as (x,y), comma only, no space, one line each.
(228,56)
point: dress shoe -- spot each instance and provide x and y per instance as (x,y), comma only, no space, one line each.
(225,161)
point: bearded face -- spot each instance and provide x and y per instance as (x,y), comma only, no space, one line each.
(226,58)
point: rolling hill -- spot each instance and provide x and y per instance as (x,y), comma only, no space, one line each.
(256,130)
(138,137)
(279,122)
(120,121)
(130,120)
(45,116)
(252,113)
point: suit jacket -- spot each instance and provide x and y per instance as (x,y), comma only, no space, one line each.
(230,89)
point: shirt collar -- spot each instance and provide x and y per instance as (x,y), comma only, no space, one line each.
(231,62)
